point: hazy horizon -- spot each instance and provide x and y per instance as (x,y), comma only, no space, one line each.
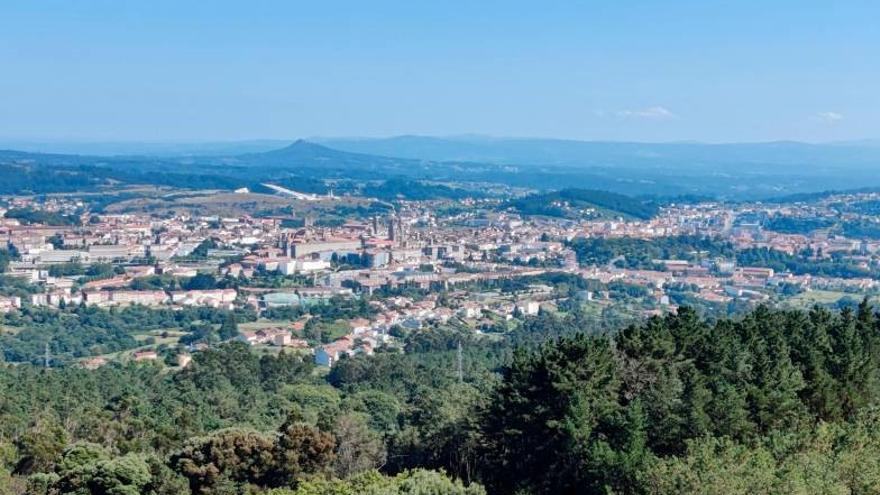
(319,139)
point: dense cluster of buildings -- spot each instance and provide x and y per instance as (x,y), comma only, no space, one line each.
(410,248)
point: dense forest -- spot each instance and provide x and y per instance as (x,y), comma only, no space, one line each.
(776,401)
(797,225)
(861,229)
(397,188)
(18,177)
(641,254)
(26,177)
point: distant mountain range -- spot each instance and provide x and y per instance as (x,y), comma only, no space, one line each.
(580,154)
(732,171)
(307,155)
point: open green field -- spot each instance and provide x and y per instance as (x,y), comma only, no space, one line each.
(172,337)
(261,324)
(810,298)
(823,297)
(334,329)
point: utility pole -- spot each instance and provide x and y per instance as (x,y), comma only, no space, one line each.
(47,358)
(460,370)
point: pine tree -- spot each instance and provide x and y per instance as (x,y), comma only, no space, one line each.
(229,328)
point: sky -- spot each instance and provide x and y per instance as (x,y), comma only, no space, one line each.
(158,70)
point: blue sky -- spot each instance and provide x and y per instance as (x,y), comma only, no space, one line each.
(705,70)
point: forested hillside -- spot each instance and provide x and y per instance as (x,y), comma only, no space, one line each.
(567,202)
(774,402)
(301,166)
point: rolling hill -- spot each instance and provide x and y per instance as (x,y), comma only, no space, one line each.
(567,202)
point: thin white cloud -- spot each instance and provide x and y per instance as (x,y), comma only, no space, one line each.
(653,113)
(829,117)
